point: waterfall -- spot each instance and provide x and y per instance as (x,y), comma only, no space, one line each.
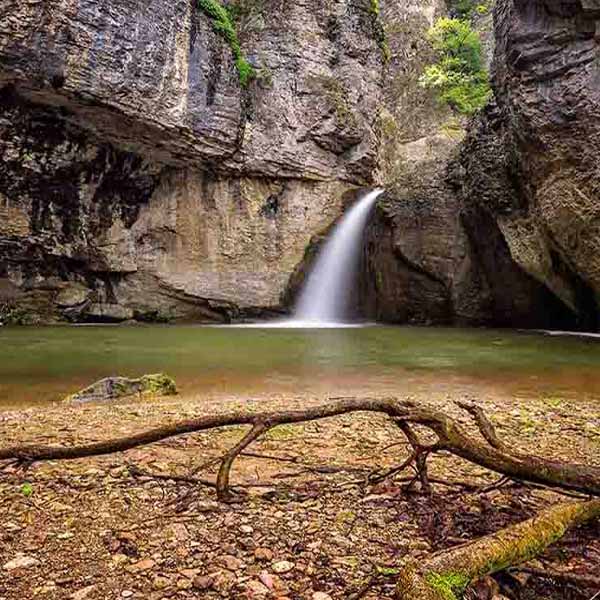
(326,294)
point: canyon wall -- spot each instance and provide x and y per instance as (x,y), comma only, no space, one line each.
(529,167)
(138,178)
(495,221)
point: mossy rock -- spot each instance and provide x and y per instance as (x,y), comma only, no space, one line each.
(115,388)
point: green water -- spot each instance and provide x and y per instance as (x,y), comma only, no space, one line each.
(42,365)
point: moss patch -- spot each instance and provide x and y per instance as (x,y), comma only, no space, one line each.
(159,384)
(380,36)
(450,586)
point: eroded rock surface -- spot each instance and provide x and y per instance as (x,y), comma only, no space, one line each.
(530,168)
(134,165)
(507,233)
(139,179)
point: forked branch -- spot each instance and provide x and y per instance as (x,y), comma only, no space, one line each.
(451,435)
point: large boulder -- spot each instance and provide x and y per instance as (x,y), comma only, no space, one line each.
(115,388)
(108,313)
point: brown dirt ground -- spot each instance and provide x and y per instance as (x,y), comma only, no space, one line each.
(96,530)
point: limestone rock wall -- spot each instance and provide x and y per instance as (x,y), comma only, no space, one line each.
(139,179)
(530,163)
(452,242)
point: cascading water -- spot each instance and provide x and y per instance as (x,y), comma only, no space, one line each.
(326,294)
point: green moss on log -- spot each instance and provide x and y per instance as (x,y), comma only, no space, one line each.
(449,586)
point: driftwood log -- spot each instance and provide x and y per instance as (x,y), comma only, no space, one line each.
(444,576)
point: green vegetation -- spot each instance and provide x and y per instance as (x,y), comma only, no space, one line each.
(160,384)
(458,76)
(223,25)
(380,36)
(465,9)
(27,489)
(450,586)
(15,315)
(283,432)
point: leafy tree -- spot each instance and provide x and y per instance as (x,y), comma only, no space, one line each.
(458,76)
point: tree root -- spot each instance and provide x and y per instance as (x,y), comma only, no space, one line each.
(446,575)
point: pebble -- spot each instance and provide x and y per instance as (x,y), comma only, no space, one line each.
(160,583)
(247,529)
(263,554)
(21,562)
(257,590)
(184,584)
(202,583)
(231,562)
(126,594)
(82,593)
(321,596)
(142,565)
(282,566)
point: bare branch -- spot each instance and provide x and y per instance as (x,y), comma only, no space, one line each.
(223,492)
(487,429)
(451,435)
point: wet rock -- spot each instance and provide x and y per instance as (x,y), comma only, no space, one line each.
(108,313)
(73,294)
(114,388)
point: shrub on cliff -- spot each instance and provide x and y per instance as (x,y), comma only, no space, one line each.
(223,25)
(458,76)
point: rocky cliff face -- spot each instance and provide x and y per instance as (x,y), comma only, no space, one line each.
(500,228)
(529,166)
(139,178)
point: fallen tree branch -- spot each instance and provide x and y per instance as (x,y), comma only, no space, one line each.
(446,575)
(487,429)
(451,435)
(554,473)
(223,492)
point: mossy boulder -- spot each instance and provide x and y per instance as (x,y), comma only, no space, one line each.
(115,388)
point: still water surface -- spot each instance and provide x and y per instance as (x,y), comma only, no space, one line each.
(42,365)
